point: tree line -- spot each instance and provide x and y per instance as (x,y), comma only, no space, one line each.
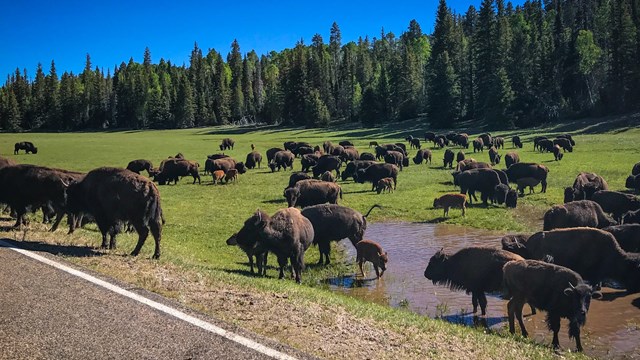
(504,65)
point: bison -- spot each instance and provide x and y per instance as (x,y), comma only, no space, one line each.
(252,248)
(475,270)
(557,290)
(332,222)
(308,161)
(367,156)
(282,159)
(632,217)
(448,201)
(113,196)
(478,145)
(511,158)
(368,250)
(173,169)
(584,186)
(517,244)
(375,172)
(474,180)
(447,159)
(421,155)
(517,143)
(297,176)
(312,192)
(328,177)
(27,146)
(138,165)
(327,163)
(557,155)
(287,234)
(226,144)
(494,157)
(271,153)
(253,158)
(576,214)
(523,170)
(384,184)
(354,166)
(627,236)
(565,144)
(616,203)
(395,158)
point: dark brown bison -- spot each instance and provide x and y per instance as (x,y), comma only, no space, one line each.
(557,290)
(415,143)
(627,236)
(350,154)
(545,145)
(523,170)
(516,243)
(476,270)
(287,234)
(24,187)
(271,153)
(503,194)
(632,217)
(226,144)
(462,140)
(138,165)
(517,143)
(113,196)
(478,145)
(511,158)
(422,155)
(447,159)
(338,150)
(487,140)
(303,150)
(27,146)
(616,203)
(253,158)
(332,222)
(312,192)
(429,136)
(173,169)
(584,186)
(224,164)
(327,146)
(498,142)
(327,163)
(536,141)
(460,156)
(567,136)
(375,172)
(636,169)
(395,158)
(565,144)
(593,253)
(474,180)
(367,156)
(308,161)
(576,214)
(633,182)
(354,166)
(282,159)
(328,176)
(252,248)
(217,156)
(494,157)
(297,176)
(345,143)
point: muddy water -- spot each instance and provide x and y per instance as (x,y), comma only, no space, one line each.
(613,324)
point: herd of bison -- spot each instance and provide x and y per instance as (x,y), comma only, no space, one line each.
(594,236)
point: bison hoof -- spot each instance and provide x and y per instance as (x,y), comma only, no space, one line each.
(156,256)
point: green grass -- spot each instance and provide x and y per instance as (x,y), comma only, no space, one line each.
(201,217)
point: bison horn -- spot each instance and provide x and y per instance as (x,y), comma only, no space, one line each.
(571,285)
(64,183)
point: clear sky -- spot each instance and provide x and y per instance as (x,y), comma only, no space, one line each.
(111,32)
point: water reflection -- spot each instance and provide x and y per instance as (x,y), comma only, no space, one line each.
(613,326)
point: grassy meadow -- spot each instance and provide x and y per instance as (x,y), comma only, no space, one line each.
(201,217)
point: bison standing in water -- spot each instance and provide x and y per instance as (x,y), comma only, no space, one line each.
(114,196)
(475,269)
(557,290)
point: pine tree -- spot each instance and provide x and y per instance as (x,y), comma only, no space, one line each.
(335,46)
(444,105)
(52,99)
(235,63)
(485,64)
(317,112)
(11,114)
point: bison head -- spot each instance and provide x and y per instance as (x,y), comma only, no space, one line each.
(418,158)
(516,244)
(292,195)
(241,167)
(631,217)
(405,161)
(630,183)
(35,150)
(359,176)
(570,194)
(383,261)
(272,166)
(251,230)
(436,270)
(580,300)
(233,240)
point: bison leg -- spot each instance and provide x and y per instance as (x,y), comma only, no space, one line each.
(282,263)
(250,256)
(544,185)
(375,267)
(156,231)
(574,332)
(360,263)
(325,250)
(474,301)
(553,321)
(482,300)
(143,232)
(59,216)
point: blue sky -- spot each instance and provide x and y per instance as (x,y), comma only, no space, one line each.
(113,31)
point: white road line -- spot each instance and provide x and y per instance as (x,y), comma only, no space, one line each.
(156,305)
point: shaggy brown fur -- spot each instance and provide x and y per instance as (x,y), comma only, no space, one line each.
(448,201)
(368,250)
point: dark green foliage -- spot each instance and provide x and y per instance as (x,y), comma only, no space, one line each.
(503,65)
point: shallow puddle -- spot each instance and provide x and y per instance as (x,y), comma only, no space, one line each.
(613,324)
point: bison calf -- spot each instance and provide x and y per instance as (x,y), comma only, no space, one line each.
(529,182)
(231,175)
(371,251)
(384,184)
(448,201)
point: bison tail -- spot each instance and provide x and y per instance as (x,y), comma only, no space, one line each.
(153,211)
(340,193)
(374,206)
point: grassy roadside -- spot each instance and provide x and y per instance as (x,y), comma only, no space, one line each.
(198,269)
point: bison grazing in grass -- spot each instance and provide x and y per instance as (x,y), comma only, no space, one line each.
(287,234)
(368,250)
(297,176)
(517,143)
(422,155)
(353,167)
(327,163)
(375,172)
(367,156)
(555,289)
(27,146)
(282,159)
(576,214)
(527,182)
(593,253)
(312,192)
(584,186)
(478,145)
(494,157)
(616,203)
(503,194)
(483,180)
(328,176)
(271,153)
(474,269)
(253,249)
(556,153)
(565,144)
(114,196)
(523,170)
(384,184)
(447,160)
(138,165)
(226,144)
(333,222)
(448,201)
(224,164)
(395,158)
(25,187)
(308,161)
(173,169)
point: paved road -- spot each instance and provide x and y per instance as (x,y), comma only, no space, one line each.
(46,313)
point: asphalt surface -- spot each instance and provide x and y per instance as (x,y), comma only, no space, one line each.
(46,313)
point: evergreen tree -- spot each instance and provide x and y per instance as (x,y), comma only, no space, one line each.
(52,99)
(317,112)
(444,96)
(235,63)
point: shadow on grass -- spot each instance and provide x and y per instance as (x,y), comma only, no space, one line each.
(275,201)
(65,250)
